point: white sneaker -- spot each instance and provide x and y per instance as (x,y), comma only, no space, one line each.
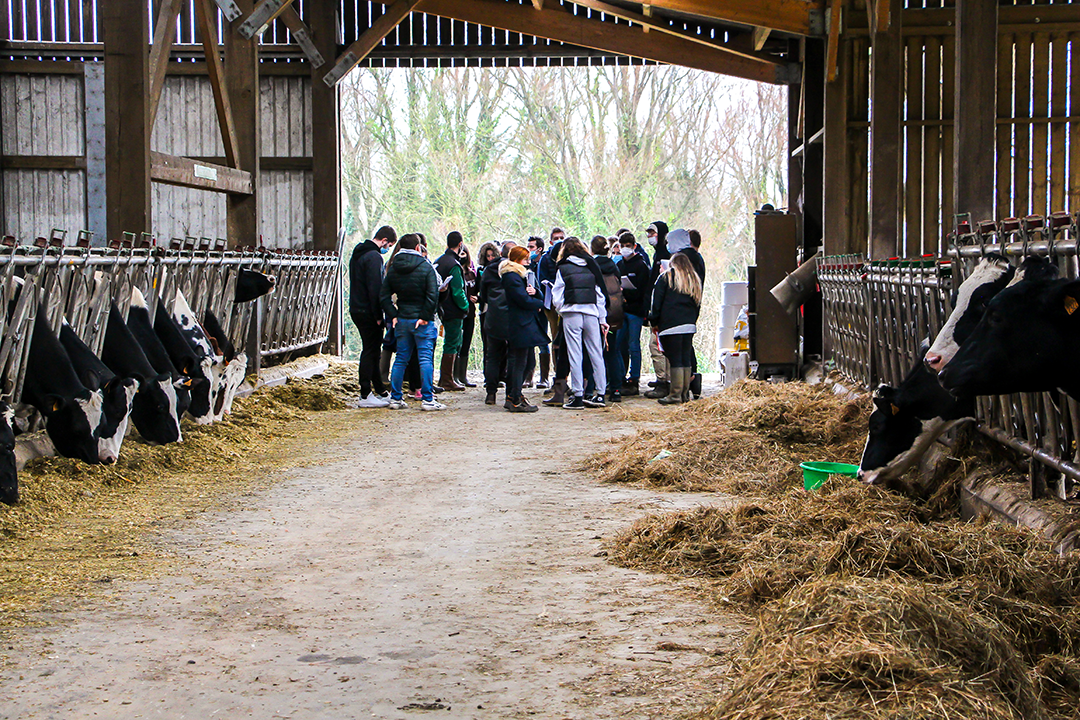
(372,401)
(432,405)
(396,405)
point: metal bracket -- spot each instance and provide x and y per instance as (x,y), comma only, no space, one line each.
(229,9)
(341,69)
(260,17)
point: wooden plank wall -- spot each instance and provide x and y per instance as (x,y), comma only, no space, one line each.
(286,199)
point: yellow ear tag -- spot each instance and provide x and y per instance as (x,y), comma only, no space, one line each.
(56,407)
(895,410)
(1070,304)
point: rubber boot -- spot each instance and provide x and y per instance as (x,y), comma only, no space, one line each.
(385,360)
(446,374)
(660,390)
(558,393)
(461,374)
(545,367)
(695,385)
(680,379)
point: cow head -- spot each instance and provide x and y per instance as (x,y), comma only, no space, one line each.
(251,284)
(969,302)
(155,411)
(72,424)
(1028,341)
(9,478)
(893,432)
(118,394)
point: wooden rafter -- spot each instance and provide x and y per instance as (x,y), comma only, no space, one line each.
(164,33)
(801,17)
(761,34)
(538,4)
(881,16)
(302,36)
(174,170)
(648,23)
(204,15)
(372,37)
(646,10)
(560,24)
(263,14)
(832,50)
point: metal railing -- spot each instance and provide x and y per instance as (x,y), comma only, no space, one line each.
(878,313)
(78,282)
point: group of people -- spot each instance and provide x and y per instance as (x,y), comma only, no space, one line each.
(579,306)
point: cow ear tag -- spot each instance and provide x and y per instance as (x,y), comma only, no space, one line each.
(56,406)
(1070,304)
(895,410)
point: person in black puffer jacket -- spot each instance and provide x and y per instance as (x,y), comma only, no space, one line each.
(524,305)
(686,242)
(635,270)
(580,296)
(673,312)
(613,362)
(495,323)
(365,282)
(657,234)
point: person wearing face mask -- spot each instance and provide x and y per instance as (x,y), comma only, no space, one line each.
(365,283)
(634,270)
(535,246)
(657,235)
(453,307)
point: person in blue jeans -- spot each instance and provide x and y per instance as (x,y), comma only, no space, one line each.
(636,291)
(411,278)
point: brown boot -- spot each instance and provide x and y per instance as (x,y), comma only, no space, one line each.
(558,394)
(680,379)
(446,374)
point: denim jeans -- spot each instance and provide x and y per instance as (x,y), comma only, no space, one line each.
(422,340)
(629,341)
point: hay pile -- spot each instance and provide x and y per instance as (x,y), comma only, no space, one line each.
(747,440)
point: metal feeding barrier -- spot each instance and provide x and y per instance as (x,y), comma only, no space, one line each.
(877,314)
(78,282)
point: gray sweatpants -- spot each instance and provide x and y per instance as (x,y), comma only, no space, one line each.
(579,328)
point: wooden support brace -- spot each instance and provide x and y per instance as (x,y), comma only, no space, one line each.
(204,17)
(835,28)
(646,10)
(881,16)
(761,34)
(538,4)
(263,14)
(367,42)
(302,36)
(174,170)
(229,9)
(164,33)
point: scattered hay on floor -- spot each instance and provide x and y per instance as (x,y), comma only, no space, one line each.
(858,648)
(1057,679)
(747,440)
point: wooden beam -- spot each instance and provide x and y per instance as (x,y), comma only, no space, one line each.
(242,82)
(325,143)
(204,15)
(538,4)
(976,98)
(646,10)
(175,170)
(42,162)
(886,87)
(263,14)
(164,34)
(801,17)
(648,23)
(760,36)
(835,28)
(836,168)
(302,36)
(127,129)
(942,21)
(882,16)
(559,23)
(372,37)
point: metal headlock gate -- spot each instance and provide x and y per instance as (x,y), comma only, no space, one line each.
(78,282)
(877,313)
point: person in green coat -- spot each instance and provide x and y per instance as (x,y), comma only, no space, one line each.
(453,307)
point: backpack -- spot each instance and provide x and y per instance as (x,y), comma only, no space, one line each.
(615,312)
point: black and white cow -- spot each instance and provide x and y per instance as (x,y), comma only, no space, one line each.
(235,364)
(9,477)
(72,411)
(251,284)
(154,410)
(142,328)
(195,365)
(992,275)
(117,393)
(1028,341)
(905,422)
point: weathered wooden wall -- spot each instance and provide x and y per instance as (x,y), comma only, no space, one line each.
(43,116)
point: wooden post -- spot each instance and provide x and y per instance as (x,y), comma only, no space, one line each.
(325,155)
(886,87)
(127,127)
(836,169)
(976,108)
(242,83)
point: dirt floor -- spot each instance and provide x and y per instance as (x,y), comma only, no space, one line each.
(414,564)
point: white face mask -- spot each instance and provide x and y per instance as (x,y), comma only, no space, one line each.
(626,252)
(653,240)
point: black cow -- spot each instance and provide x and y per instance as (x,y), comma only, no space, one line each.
(906,420)
(142,328)
(1028,341)
(235,365)
(9,478)
(117,393)
(155,407)
(251,284)
(72,411)
(185,359)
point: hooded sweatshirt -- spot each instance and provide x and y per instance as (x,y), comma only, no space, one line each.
(660,253)
(365,280)
(412,278)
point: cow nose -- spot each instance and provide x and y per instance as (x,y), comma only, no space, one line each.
(934,361)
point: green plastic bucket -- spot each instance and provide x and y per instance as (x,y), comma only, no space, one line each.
(815,473)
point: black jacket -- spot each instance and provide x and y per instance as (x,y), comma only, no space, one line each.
(493,303)
(365,280)
(616,301)
(524,312)
(412,279)
(670,308)
(447,265)
(636,300)
(660,253)
(696,260)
